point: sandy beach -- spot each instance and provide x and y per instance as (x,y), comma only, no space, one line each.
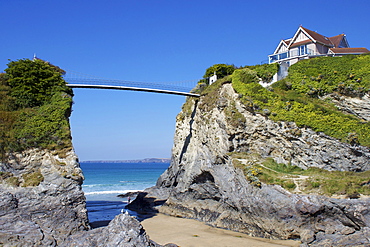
(165,229)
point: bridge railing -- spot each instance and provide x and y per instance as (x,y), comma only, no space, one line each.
(80,79)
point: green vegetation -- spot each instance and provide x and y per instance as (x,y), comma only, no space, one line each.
(212,92)
(348,75)
(265,71)
(250,170)
(312,180)
(316,180)
(32,179)
(286,101)
(34,82)
(221,70)
(35,104)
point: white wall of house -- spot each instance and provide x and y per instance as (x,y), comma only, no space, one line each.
(283,48)
(301,37)
(312,47)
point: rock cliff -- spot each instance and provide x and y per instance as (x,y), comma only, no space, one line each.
(42,204)
(41,199)
(203,183)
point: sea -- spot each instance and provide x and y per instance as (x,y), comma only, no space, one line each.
(105,181)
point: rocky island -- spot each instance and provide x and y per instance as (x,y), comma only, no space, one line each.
(290,161)
(41,200)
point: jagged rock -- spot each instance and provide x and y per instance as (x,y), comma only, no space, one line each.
(131,194)
(123,231)
(358,106)
(203,183)
(43,214)
(53,213)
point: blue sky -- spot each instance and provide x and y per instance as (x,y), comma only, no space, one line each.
(155,41)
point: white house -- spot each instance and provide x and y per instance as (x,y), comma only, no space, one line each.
(306,44)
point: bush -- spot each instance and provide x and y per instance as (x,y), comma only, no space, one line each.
(42,105)
(265,71)
(33,83)
(221,70)
(245,76)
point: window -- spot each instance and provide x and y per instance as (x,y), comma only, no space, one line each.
(303,50)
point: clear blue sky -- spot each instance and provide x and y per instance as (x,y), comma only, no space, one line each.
(153,41)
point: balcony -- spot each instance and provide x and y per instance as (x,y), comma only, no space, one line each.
(296,53)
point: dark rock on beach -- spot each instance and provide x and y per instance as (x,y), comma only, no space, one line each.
(129,194)
(124,231)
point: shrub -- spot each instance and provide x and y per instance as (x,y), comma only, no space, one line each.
(245,76)
(221,70)
(34,82)
(41,105)
(265,71)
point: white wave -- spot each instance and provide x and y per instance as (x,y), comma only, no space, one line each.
(111,192)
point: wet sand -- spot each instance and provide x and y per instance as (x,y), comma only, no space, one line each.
(165,229)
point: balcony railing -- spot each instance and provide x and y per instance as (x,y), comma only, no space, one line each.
(290,54)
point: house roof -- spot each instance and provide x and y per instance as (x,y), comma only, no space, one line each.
(287,41)
(335,40)
(315,37)
(318,37)
(282,43)
(358,50)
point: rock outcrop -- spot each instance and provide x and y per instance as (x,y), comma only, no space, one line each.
(202,182)
(124,231)
(42,204)
(41,200)
(358,106)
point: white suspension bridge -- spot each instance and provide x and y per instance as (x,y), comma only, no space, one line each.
(79,80)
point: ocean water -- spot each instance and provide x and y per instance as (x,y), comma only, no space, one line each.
(104,181)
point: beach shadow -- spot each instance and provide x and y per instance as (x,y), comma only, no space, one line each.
(145,207)
(100,213)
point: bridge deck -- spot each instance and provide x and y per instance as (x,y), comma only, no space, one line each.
(132,89)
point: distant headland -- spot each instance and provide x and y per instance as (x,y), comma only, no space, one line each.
(146,160)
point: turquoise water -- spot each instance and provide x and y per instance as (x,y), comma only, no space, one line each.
(104,181)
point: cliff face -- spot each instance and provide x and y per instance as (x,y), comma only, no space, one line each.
(42,204)
(203,183)
(46,204)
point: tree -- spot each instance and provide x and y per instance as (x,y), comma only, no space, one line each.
(7,117)
(33,82)
(221,70)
